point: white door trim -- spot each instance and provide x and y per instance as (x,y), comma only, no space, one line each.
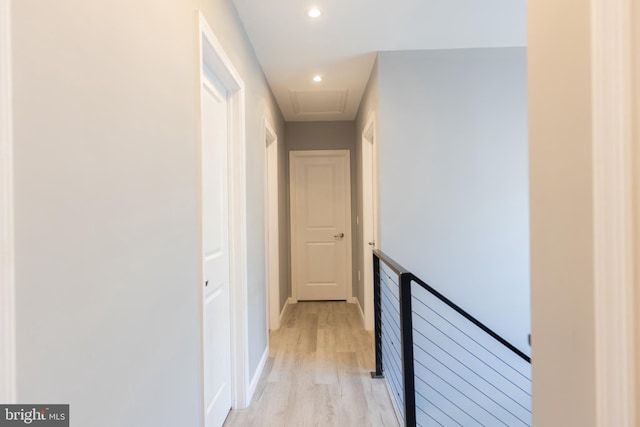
(7,254)
(635,45)
(272,233)
(293,227)
(612,111)
(220,65)
(369,150)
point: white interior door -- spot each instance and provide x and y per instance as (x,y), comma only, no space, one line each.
(215,242)
(321,224)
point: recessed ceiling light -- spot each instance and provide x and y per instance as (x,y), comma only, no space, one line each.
(317,79)
(314,12)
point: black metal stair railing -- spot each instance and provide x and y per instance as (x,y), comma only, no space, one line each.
(442,365)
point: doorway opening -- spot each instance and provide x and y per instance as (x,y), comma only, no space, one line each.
(217,74)
(272,227)
(369,214)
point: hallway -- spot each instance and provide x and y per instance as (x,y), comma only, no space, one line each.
(317,373)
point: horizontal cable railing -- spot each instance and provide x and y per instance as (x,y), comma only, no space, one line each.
(391,350)
(443,366)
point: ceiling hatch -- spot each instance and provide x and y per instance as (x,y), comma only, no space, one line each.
(318,101)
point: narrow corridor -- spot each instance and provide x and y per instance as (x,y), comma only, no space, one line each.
(318,373)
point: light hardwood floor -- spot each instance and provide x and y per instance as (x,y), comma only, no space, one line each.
(318,373)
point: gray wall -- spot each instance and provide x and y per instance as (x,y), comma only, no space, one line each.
(326,136)
(106,185)
(368,106)
(454,177)
(283,222)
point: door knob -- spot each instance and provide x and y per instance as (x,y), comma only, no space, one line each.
(341,235)
(372,243)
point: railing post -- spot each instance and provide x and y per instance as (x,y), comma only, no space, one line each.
(377,303)
(408,379)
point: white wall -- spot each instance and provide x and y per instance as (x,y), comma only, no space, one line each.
(338,135)
(584,125)
(562,240)
(106,205)
(454,177)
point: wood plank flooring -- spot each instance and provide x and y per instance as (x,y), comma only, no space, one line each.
(318,373)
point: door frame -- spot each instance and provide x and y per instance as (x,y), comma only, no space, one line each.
(370,212)
(7,247)
(293,218)
(635,260)
(272,227)
(221,66)
(615,202)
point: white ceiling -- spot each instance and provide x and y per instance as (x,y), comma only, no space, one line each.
(340,45)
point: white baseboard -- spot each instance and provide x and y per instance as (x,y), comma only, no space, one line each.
(257,375)
(284,309)
(354,300)
(394,402)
